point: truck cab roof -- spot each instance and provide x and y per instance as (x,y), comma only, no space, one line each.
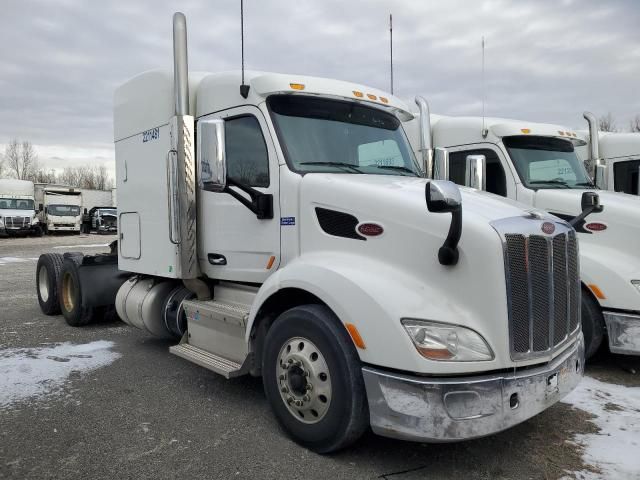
(147,101)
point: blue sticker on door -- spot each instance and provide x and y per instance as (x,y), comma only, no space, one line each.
(287,220)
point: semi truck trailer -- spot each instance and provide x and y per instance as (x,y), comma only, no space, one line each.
(17,208)
(614,156)
(278,226)
(537,165)
(59,209)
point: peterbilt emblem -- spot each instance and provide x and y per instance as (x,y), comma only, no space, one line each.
(548,228)
(370,229)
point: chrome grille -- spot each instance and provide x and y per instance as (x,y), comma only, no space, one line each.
(16,222)
(543,286)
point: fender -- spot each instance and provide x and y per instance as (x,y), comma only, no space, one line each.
(379,296)
(612,271)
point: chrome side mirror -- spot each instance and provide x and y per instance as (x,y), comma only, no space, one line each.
(442,197)
(601,175)
(441,164)
(211,155)
(475,172)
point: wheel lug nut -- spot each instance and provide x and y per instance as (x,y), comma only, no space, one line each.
(306,398)
(306,373)
(298,403)
(290,400)
(308,387)
(284,390)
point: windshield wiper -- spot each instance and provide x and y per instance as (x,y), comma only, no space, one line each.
(586,184)
(351,166)
(397,167)
(552,182)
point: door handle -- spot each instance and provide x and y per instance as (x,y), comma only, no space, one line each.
(216,259)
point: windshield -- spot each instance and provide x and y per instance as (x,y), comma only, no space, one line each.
(320,135)
(546,162)
(109,211)
(63,210)
(16,204)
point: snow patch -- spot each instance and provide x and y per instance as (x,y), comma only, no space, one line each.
(8,260)
(92,245)
(615,448)
(33,373)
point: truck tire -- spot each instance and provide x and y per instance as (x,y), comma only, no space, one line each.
(70,294)
(592,324)
(47,276)
(38,232)
(312,378)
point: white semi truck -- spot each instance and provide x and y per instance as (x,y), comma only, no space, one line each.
(59,209)
(615,155)
(536,165)
(17,208)
(279,227)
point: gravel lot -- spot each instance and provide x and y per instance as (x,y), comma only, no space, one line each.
(109,401)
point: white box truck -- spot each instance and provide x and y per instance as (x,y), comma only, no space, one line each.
(536,164)
(260,227)
(17,208)
(60,209)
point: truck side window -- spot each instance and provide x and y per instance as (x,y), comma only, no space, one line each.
(247,156)
(496,179)
(625,176)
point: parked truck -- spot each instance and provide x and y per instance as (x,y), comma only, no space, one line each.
(59,209)
(615,157)
(279,227)
(536,164)
(17,208)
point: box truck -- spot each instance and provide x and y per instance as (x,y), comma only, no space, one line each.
(536,164)
(59,209)
(277,225)
(17,208)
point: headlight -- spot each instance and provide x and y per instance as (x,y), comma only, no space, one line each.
(443,341)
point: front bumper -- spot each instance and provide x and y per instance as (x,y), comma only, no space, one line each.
(64,228)
(453,409)
(623,330)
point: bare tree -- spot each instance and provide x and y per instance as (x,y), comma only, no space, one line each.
(21,158)
(606,123)
(635,124)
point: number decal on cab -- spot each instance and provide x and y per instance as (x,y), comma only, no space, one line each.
(152,134)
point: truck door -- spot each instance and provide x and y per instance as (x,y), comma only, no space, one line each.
(500,180)
(234,244)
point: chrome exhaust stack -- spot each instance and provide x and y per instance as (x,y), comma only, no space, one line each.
(180,64)
(596,166)
(426,142)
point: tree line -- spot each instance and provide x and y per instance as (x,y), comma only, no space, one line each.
(20,160)
(606,123)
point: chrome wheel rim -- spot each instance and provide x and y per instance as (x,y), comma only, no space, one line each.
(43,283)
(304,380)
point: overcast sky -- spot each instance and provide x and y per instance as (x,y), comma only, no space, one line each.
(546,60)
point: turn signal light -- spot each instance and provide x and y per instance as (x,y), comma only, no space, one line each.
(597,292)
(355,336)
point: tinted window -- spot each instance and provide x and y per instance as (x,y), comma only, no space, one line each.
(625,176)
(247,157)
(496,179)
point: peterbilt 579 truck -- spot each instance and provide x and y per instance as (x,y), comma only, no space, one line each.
(537,165)
(280,227)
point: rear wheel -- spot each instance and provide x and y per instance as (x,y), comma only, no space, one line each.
(313,380)
(592,324)
(47,276)
(70,295)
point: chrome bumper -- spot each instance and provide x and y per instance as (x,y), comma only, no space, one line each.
(446,410)
(623,330)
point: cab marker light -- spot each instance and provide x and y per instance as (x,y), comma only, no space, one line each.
(358,94)
(371,97)
(297,86)
(596,291)
(384,99)
(355,336)
(525,130)
(561,132)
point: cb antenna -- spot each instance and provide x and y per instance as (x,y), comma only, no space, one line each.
(391,49)
(244,89)
(485,132)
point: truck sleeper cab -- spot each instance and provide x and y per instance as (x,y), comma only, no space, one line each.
(537,165)
(293,238)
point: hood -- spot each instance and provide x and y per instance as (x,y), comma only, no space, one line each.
(10,212)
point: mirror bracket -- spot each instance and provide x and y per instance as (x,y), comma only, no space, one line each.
(260,203)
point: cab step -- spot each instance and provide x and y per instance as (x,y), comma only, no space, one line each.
(223,366)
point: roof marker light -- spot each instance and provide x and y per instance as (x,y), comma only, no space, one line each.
(297,86)
(358,94)
(384,99)
(371,97)
(525,130)
(560,132)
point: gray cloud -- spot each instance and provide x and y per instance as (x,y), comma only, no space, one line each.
(546,60)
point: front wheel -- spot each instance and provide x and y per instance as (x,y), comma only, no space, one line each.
(592,324)
(313,380)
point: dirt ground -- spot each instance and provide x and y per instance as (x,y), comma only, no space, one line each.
(140,412)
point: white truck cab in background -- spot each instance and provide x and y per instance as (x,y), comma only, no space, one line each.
(59,209)
(293,238)
(17,208)
(615,156)
(537,165)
